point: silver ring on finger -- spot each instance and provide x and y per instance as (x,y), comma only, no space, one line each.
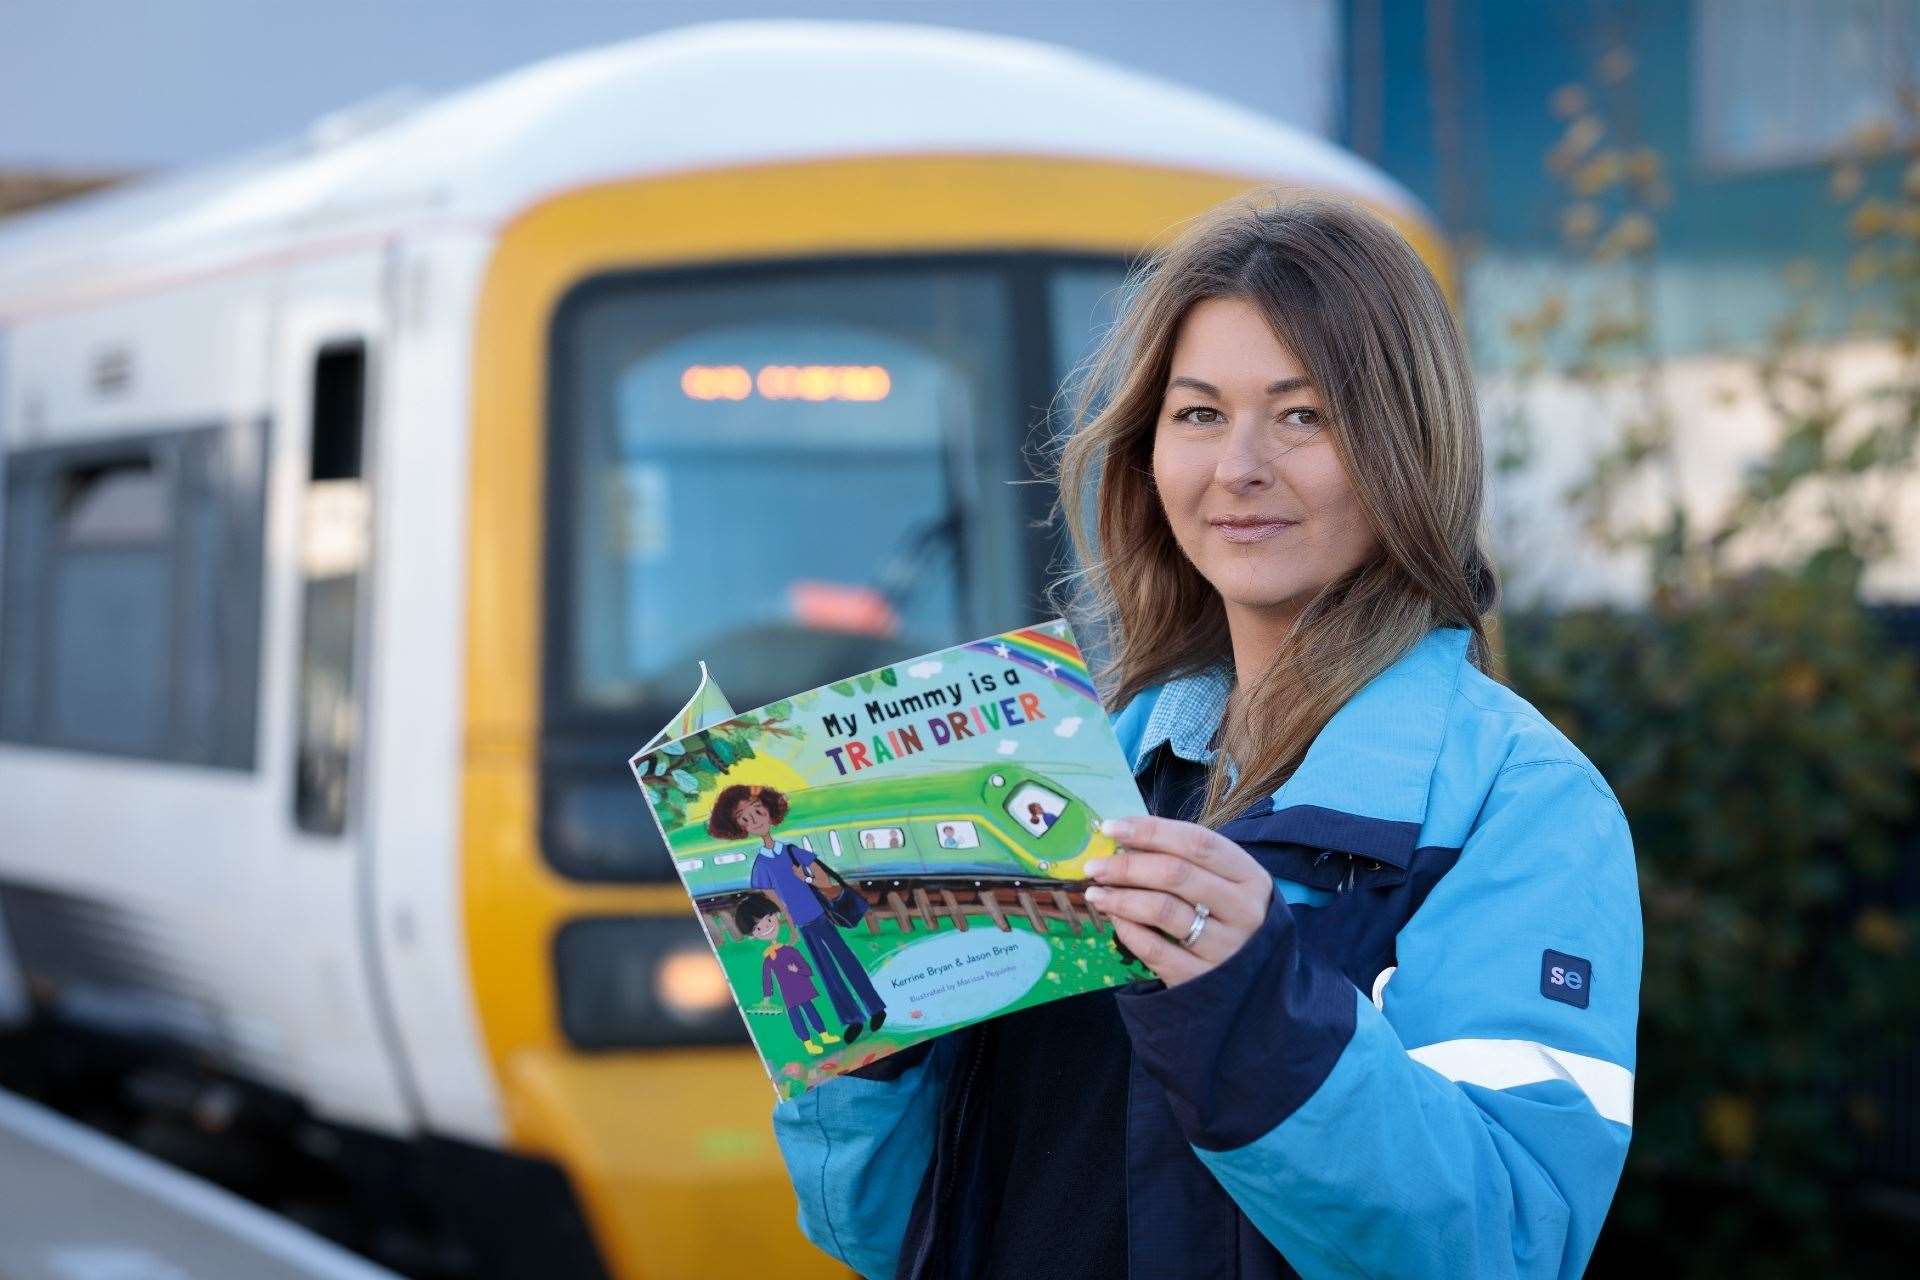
(1200,914)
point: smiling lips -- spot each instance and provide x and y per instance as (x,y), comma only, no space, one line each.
(1250,528)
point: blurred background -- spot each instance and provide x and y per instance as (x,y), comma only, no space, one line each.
(396,400)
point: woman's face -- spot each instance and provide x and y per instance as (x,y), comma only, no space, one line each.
(1244,462)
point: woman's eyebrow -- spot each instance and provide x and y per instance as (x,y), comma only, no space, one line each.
(1279,387)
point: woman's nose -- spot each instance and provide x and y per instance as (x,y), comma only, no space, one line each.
(1244,464)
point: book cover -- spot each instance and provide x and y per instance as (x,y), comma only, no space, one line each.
(900,854)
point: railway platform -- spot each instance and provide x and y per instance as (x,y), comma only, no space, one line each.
(77,1205)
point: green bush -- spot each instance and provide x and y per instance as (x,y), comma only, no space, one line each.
(1761,729)
(1764,741)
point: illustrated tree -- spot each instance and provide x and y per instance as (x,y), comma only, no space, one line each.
(1757,722)
(677,774)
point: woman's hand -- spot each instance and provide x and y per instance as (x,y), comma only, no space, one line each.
(1152,884)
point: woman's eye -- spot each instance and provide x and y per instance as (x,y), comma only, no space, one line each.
(1312,420)
(1186,415)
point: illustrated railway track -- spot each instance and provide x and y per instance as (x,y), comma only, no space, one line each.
(923,902)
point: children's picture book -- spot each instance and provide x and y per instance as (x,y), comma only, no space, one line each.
(900,854)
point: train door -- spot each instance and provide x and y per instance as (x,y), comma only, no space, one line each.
(333,337)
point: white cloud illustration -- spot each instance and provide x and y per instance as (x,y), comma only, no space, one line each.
(1008,746)
(921,670)
(1068,727)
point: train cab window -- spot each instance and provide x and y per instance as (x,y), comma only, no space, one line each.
(1035,808)
(130,595)
(792,477)
(958,835)
(1085,301)
(334,545)
(793,471)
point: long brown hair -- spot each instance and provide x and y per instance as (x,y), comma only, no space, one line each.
(1355,304)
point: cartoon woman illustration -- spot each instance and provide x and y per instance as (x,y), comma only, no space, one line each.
(783,871)
(1038,818)
(758,917)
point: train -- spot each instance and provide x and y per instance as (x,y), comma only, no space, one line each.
(368,498)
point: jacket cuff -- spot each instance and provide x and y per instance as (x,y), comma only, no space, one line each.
(1240,1048)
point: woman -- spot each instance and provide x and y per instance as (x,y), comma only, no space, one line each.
(1391,909)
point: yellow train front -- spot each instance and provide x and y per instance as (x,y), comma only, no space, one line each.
(683,349)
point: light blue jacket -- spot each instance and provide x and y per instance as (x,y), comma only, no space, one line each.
(1421,1065)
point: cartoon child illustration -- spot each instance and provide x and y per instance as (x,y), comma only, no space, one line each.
(1038,818)
(758,917)
(947,839)
(783,871)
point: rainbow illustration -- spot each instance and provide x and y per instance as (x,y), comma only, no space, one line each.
(1040,650)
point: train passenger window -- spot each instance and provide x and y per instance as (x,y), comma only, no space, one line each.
(958,835)
(110,616)
(121,501)
(882,838)
(1035,808)
(833,842)
(333,559)
(130,597)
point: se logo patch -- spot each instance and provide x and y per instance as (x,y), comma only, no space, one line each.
(1565,978)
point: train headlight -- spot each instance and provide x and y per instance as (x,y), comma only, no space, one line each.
(630,982)
(691,985)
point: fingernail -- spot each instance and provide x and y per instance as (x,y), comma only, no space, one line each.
(1096,865)
(1118,828)
(1096,894)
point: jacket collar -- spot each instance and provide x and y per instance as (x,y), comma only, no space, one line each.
(1363,785)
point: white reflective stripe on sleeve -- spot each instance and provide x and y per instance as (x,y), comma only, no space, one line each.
(1380,987)
(1507,1064)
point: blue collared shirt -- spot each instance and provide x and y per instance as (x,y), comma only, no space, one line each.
(773,872)
(1186,715)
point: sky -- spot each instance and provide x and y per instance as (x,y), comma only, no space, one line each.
(143,84)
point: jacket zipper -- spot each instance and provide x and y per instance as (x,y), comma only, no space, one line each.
(935,1210)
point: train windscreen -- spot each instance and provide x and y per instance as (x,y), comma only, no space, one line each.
(795,478)
(795,473)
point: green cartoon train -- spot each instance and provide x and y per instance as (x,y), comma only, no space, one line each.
(997,821)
